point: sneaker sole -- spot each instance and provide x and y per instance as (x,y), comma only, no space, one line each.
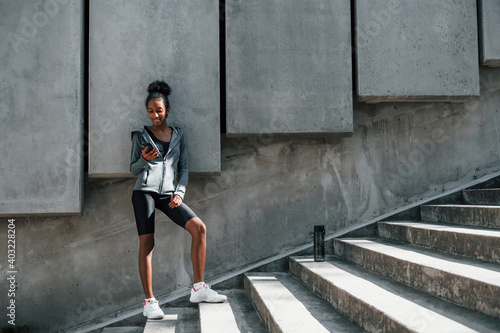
(157,317)
(197,302)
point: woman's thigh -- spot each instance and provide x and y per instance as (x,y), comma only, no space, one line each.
(144,211)
(180,215)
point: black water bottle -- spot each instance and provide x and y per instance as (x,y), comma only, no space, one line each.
(319,243)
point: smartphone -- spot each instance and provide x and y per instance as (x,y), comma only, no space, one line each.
(149,146)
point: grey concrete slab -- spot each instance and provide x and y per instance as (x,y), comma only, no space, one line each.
(217,318)
(380,304)
(286,305)
(490,197)
(176,320)
(416,50)
(246,315)
(134,43)
(489,25)
(288,67)
(472,242)
(469,283)
(482,216)
(127,329)
(41,110)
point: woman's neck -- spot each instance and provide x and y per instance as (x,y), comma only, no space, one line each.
(162,127)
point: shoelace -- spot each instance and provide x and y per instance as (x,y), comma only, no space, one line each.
(207,286)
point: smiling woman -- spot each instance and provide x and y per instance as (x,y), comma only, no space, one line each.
(159,157)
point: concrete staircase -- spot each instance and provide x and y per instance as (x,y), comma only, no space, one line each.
(436,273)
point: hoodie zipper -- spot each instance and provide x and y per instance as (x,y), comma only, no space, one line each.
(163,168)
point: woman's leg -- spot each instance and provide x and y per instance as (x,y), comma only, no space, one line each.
(146,246)
(144,211)
(198,231)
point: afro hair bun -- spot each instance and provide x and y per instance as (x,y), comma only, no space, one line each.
(159,86)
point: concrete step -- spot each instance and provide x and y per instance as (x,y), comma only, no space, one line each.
(176,320)
(473,242)
(287,305)
(470,283)
(489,197)
(237,315)
(217,318)
(380,304)
(123,329)
(482,216)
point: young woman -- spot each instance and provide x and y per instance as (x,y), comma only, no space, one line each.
(159,157)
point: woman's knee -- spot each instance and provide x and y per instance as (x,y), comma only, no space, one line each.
(202,227)
(196,227)
(146,243)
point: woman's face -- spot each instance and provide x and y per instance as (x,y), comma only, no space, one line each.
(157,111)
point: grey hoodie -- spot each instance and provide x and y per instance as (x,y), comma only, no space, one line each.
(163,175)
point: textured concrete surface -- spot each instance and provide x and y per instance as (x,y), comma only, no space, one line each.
(416,50)
(489,197)
(379,304)
(217,318)
(472,284)
(477,243)
(247,317)
(41,110)
(489,24)
(482,216)
(288,66)
(134,43)
(286,305)
(270,194)
(129,329)
(176,320)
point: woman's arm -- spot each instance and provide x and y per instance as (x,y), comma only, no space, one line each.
(137,162)
(183,169)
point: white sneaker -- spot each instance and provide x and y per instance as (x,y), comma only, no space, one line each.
(152,310)
(206,294)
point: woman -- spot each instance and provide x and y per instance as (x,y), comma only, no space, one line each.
(159,157)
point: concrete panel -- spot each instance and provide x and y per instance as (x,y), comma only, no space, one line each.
(41,113)
(416,50)
(489,23)
(133,43)
(288,66)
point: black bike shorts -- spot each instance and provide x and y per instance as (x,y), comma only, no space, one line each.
(144,210)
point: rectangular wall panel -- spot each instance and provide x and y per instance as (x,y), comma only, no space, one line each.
(422,50)
(41,113)
(489,15)
(288,66)
(133,43)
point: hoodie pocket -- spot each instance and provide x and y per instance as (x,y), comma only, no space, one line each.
(146,178)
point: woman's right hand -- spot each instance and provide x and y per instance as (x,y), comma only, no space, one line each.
(151,155)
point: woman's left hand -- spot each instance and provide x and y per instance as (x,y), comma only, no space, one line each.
(175,201)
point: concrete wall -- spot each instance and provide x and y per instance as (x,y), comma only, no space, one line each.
(133,43)
(271,191)
(489,23)
(41,114)
(272,188)
(288,66)
(416,50)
